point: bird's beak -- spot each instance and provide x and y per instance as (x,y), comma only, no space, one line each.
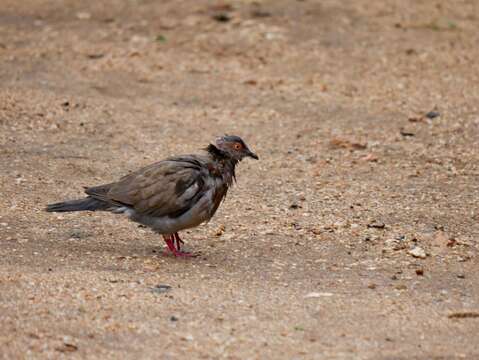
(252,155)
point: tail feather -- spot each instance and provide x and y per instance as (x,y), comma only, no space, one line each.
(86,204)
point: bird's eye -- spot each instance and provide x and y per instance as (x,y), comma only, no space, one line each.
(237,146)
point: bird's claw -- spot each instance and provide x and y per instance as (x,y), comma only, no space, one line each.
(171,241)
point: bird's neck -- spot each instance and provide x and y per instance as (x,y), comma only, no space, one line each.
(226,164)
(229,170)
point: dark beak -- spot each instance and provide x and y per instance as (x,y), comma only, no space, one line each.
(252,155)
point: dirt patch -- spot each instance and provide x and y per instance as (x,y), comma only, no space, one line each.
(354,237)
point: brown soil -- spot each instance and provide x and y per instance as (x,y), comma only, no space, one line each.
(317,259)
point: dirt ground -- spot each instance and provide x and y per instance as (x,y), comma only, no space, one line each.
(354,237)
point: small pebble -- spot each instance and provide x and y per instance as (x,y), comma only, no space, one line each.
(417,252)
(222,17)
(83,15)
(432,114)
(160,289)
(317,295)
(406,133)
(376,224)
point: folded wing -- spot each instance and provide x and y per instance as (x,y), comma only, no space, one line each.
(166,188)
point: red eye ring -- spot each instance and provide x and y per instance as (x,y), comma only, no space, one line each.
(237,146)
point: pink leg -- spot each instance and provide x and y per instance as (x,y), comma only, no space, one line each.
(170,242)
(178,241)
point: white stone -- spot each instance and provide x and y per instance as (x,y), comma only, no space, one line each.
(417,252)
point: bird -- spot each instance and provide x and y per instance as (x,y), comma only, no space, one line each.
(174,194)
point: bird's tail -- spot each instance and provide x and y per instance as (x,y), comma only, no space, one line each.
(85,204)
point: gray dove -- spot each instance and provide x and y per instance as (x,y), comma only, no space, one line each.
(174,194)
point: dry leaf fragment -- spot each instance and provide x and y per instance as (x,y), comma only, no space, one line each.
(341,143)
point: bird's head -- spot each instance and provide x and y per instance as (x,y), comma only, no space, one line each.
(234,147)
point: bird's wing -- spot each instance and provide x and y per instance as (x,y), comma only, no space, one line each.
(169,187)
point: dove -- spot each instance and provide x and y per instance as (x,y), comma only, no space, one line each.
(171,195)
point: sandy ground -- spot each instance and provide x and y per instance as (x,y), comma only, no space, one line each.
(354,237)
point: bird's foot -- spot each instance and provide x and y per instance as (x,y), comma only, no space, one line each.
(170,242)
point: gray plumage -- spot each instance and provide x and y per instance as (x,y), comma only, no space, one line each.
(174,194)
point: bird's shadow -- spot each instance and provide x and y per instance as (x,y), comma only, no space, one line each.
(120,253)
